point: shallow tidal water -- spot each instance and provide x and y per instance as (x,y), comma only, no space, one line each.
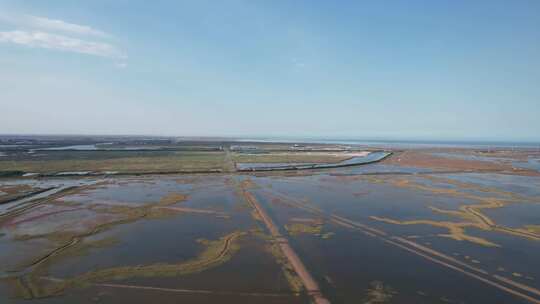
(364,238)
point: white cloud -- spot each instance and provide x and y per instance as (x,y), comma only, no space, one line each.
(46,24)
(59,42)
(54,34)
(59,25)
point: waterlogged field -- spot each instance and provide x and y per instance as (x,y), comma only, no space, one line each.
(407,230)
(175,238)
(413,236)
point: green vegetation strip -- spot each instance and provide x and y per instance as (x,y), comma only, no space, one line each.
(124,162)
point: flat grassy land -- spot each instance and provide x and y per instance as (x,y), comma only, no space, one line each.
(296,157)
(170,161)
(150,161)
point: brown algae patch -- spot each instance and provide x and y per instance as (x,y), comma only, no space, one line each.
(34,285)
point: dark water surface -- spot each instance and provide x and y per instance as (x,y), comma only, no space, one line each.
(351,262)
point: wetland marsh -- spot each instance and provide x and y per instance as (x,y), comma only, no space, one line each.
(403,230)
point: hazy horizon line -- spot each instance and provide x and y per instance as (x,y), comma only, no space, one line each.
(418,139)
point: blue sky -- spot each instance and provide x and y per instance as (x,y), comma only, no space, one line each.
(345,69)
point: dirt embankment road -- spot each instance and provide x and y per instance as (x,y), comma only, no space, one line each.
(308,281)
(229,165)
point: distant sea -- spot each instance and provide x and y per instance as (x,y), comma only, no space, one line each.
(403,143)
